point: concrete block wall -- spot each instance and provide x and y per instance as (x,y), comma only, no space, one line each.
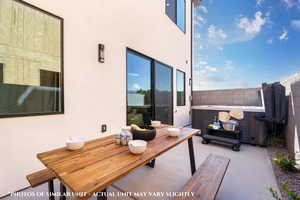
(230,97)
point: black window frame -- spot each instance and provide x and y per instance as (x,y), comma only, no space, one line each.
(184,88)
(175,14)
(61,78)
(1,73)
(153,61)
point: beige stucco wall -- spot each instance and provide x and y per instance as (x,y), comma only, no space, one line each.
(95,93)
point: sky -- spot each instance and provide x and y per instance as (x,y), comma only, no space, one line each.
(243,43)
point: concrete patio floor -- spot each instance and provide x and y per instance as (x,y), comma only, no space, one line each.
(248,177)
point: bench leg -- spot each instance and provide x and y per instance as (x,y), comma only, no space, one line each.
(151,163)
(103,196)
(63,191)
(51,190)
(192,155)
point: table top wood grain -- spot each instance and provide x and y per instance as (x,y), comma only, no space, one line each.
(101,162)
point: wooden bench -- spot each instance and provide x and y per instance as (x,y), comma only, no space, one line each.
(43,176)
(40,177)
(205,183)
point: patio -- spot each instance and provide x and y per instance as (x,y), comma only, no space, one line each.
(84,72)
(248,176)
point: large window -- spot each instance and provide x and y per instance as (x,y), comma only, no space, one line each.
(175,9)
(149,90)
(31,67)
(180,84)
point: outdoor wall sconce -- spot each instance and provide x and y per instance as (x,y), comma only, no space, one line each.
(101,53)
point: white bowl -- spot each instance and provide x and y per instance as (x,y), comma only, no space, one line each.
(137,146)
(74,143)
(174,132)
(155,124)
(126,128)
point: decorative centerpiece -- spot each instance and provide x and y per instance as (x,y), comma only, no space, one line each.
(146,133)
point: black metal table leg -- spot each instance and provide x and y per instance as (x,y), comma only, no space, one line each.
(102,195)
(51,190)
(192,155)
(151,163)
(63,191)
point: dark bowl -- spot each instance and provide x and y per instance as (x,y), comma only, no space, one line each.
(147,135)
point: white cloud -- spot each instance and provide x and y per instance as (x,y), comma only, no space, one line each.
(221,48)
(296,24)
(203,9)
(214,32)
(202,62)
(259,2)
(291,3)
(229,65)
(200,19)
(228,62)
(254,26)
(284,35)
(133,74)
(136,86)
(288,3)
(270,41)
(211,69)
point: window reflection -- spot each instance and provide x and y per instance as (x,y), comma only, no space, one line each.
(30,60)
(181,14)
(163,93)
(180,88)
(175,9)
(139,105)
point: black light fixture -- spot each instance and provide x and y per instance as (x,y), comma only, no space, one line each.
(101,53)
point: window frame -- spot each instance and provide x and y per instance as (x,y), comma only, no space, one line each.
(62,105)
(175,21)
(1,73)
(153,61)
(184,87)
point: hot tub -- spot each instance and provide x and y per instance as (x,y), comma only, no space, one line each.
(253,131)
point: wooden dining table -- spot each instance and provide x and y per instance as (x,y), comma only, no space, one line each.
(101,162)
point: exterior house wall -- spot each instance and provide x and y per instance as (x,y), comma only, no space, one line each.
(95,93)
